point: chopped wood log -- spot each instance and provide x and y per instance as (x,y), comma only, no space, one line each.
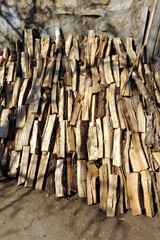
(120,51)
(93,47)
(103,181)
(45,44)
(92,176)
(141,119)
(4,123)
(133,191)
(125,153)
(73,64)
(130,114)
(112,196)
(75,114)
(34,141)
(47,82)
(125,85)
(25,65)
(99,137)
(69,174)
(54,108)
(4,161)
(14,163)
(23,92)
(61,104)
(147,193)
(31,171)
(59,187)
(62,139)
(27,130)
(48,133)
(131,53)
(81,131)
(108,140)
(10,73)
(101,72)
(156,156)
(117,155)
(92,143)
(93,110)
(137,156)
(15,93)
(87,104)
(70,104)
(42,170)
(155,181)
(21,116)
(96,78)
(2,76)
(37,47)
(121,194)
(76,49)
(57,68)
(81,178)
(50,175)
(2,146)
(149,131)
(68,73)
(8,96)
(18,139)
(108,71)
(101,102)
(70,140)
(122,118)
(68,45)
(112,106)
(116,73)
(24,165)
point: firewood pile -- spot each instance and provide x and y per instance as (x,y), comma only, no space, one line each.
(82,114)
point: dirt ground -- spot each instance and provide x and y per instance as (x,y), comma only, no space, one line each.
(28,214)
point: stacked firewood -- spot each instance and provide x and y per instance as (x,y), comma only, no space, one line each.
(75,116)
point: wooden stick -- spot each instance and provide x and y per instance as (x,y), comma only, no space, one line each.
(103,181)
(112,196)
(81,178)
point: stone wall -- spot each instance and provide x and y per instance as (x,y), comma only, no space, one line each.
(111,17)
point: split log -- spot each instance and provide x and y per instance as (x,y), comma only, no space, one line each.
(122,118)
(137,156)
(120,51)
(47,82)
(21,116)
(57,68)
(141,119)
(81,132)
(14,164)
(45,44)
(117,156)
(95,78)
(10,73)
(93,111)
(121,193)
(4,123)
(61,104)
(50,174)
(68,45)
(69,174)
(108,71)
(92,176)
(42,170)
(31,171)
(147,193)
(112,106)
(15,93)
(103,181)
(24,165)
(23,92)
(48,133)
(131,53)
(87,104)
(92,144)
(149,131)
(125,84)
(73,64)
(27,130)
(62,139)
(125,152)
(81,178)
(76,49)
(4,161)
(108,140)
(99,137)
(112,196)
(54,108)
(75,114)
(70,140)
(133,191)
(59,187)
(25,65)
(34,141)
(93,48)
(115,67)
(18,139)
(101,102)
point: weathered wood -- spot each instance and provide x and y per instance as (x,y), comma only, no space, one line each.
(92,176)
(101,102)
(34,141)
(62,141)
(100,138)
(31,171)
(122,118)
(125,84)
(149,131)
(59,187)
(4,161)
(125,153)
(10,73)
(4,123)
(147,193)
(81,178)
(112,106)
(2,76)
(70,104)
(61,104)
(21,116)
(57,68)
(24,165)
(120,51)
(15,93)
(70,140)
(112,196)
(107,70)
(45,44)
(93,48)
(103,181)
(69,174)
(116,72)
(156,156)
(131,53)
(141,119)
(68,43)
(23,91)
(42,170)
(73,64)
(25,65)
(121,192)
(87,104)
(18,139)
(95,78)
(81,132)
(76,49)
(108,140)
(14,163)
(92,143)
(76,110)
(48,133)
(8,95)
(27,130)
(54,108)
(48,77)
(133,193)
(50,175)
(130,114)
(117,155)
